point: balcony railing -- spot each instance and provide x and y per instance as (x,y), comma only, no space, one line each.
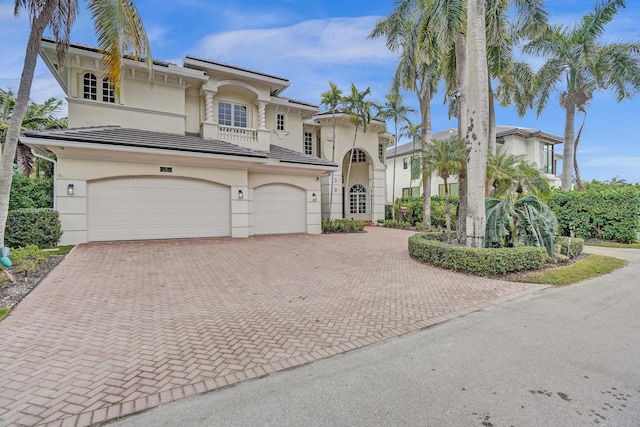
(232,133)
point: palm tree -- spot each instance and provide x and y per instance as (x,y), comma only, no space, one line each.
(408,31)
(394,109)
(37,117)
(414,133)
(359,108)
(445,158)
(119,29)
(578,64)
(332,99)
(510,175)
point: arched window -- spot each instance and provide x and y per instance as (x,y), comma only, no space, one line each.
(358,156)
(358,199)
(108,94)
(90,86)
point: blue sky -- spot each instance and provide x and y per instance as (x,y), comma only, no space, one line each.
(311,43)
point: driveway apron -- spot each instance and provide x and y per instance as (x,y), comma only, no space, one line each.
(122,327)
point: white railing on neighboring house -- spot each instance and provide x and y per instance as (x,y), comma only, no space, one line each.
(232,133)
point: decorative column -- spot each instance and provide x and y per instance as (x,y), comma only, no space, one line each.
(208,107)
(262,119)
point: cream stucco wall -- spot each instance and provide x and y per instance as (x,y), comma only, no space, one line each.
(82,171)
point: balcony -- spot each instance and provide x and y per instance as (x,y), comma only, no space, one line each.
(236,134)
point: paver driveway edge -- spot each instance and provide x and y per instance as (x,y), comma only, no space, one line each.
(107,415)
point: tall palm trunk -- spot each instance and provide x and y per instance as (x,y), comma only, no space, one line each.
(19,110)
(346,183)
(492,122)
(567,160)
(447,207)
(395,153)
(461,83)
(425,108)
(333,159)
(477,131)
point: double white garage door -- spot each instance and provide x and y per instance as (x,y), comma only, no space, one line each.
(164,208)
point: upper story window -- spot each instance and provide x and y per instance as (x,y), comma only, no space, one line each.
(308,143)
(381,152)
(358,156)
(415,167)
(90,86)
(108,91)
(319,146)
(547,158)
(405,163)
(280,122)
(232,114)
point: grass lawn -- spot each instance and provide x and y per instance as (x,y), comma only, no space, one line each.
(592,266)
(4,312)
(613,244)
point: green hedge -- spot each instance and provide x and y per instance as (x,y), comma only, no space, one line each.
(414,210)
(342,226)
(29,192)
(482,262)
(40,227)
(600,212)
(572,251)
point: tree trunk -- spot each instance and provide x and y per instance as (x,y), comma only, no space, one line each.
(425,108)
(333,159)
(477,131)
(567,152)
(492,123)
(447,208)
(393,187)
(346,183)
(22,100)
(461,83)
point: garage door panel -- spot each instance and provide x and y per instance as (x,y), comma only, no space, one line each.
(279,209)
(157,208)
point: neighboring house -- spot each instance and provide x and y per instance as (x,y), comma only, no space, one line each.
(536,145)
(208,150)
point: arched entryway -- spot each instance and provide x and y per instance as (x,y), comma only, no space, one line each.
(356,201)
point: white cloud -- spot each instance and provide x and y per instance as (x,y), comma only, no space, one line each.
(327,41)
(630,162)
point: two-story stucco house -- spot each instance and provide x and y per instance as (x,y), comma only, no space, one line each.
(536,145)
(207,150)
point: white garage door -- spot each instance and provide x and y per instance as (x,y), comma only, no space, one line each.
(279,209)
(141,208)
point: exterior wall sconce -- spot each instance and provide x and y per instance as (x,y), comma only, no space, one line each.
(70,190)
(314,197)
(240,195)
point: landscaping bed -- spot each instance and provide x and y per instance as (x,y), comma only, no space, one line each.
(26,280)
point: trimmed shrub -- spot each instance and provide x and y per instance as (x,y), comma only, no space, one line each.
(40,227)
(482,262)
(600,212)
(28,258)
(570,246)
(342,226)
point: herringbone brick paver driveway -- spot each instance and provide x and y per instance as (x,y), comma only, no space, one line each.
(121,327)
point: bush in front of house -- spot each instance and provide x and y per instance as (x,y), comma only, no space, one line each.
(40,227)
(570,246)
(342,226)
(601,211)
(478,261)
(28,192)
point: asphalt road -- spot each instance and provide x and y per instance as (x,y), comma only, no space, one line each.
(567,356)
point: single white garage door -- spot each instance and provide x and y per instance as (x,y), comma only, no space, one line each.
(279,209)
(139,208)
